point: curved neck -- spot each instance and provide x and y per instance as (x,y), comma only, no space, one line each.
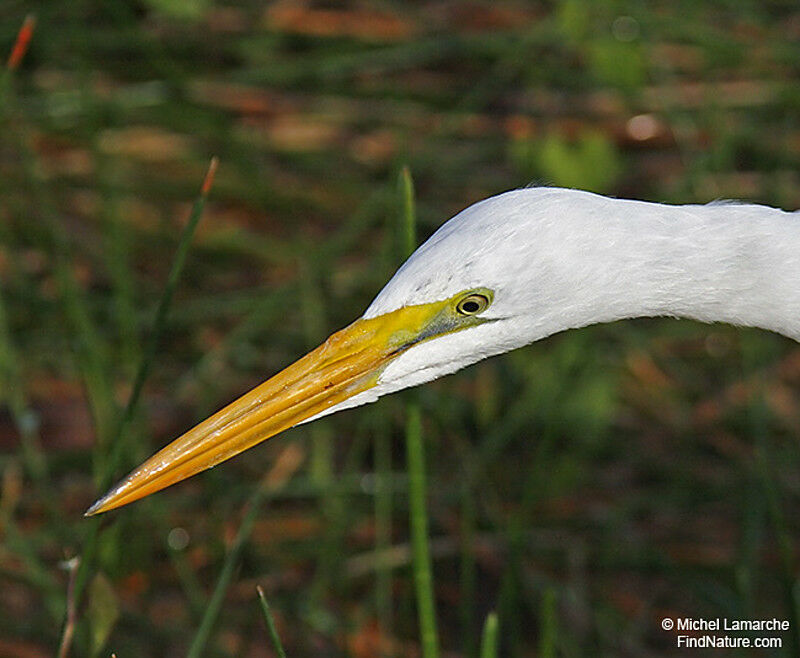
(721,262)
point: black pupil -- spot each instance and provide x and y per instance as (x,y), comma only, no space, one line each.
(470,306)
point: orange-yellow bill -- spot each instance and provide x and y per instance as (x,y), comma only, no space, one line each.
(349,362)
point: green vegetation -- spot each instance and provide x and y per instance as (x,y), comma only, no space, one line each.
(270,621)
(415,458)
(577,491)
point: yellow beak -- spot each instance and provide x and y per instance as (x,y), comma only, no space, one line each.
(349,362)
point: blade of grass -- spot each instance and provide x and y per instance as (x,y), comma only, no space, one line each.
(90,543)
(285,466)
(485,411)
(117,247)
(159,323)
(766,472)
(753,523)
(22,43)
(770,484)
(273,632)
(489,639)
(214,605)
(71,566)
(547,641)
(408,218)
(509,597)
(16,55)
(467,568)
(421,558)
(383,522)
(382,447)
(415,453)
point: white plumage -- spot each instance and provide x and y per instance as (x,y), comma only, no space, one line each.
(560,259)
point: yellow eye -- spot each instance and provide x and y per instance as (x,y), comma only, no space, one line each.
(473,303)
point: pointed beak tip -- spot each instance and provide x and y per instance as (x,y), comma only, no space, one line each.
(96,508)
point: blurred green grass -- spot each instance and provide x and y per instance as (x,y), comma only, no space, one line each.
(583,488)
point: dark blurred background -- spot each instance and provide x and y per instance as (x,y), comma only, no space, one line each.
(584,487)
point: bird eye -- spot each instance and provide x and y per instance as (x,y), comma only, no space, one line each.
(473,303)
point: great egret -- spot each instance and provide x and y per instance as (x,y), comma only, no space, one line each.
(503,273)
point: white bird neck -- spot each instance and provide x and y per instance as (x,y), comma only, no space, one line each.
(723,262)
